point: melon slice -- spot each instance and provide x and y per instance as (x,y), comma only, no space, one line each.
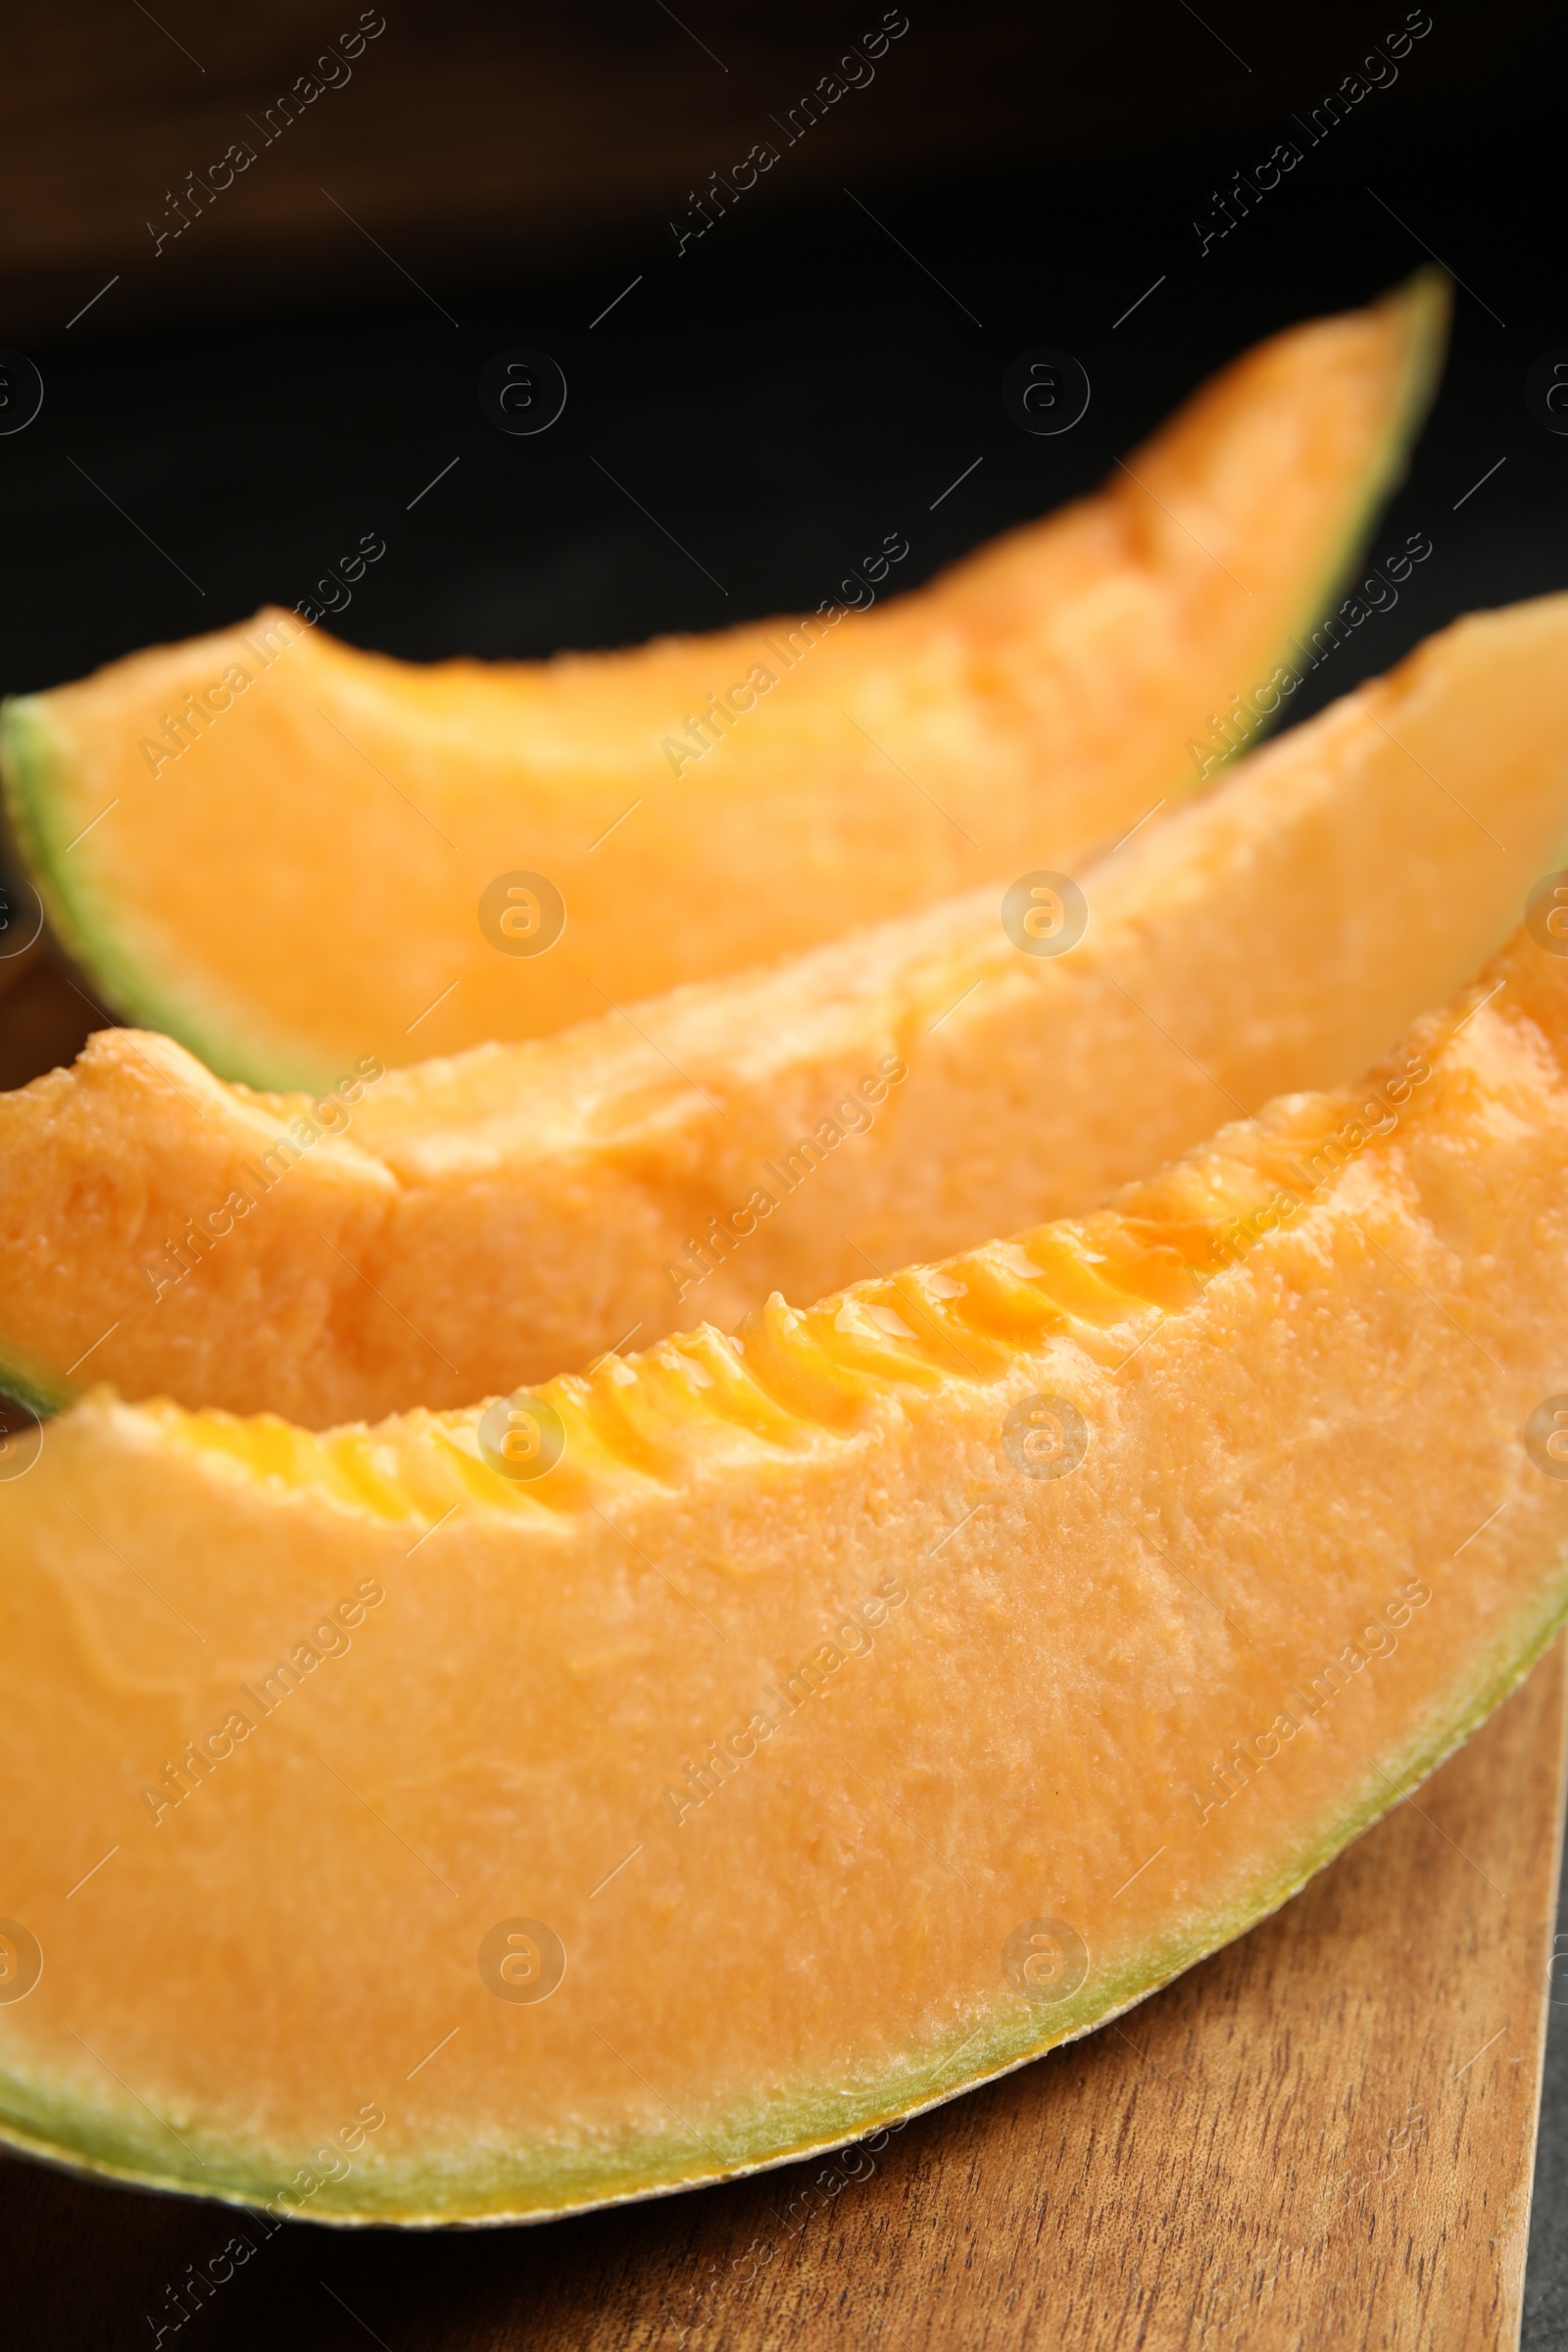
(666,1773)
(291,854)
(516,1210)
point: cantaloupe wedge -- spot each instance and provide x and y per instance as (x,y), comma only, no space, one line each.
(291,854)
(516,1210)
(841,1714)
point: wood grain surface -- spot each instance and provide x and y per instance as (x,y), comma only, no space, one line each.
(474,136)
(1322,2137)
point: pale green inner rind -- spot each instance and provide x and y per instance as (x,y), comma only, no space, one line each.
(81,921)
(33,759)
(443,2188)
(42,1392)
(1427,307)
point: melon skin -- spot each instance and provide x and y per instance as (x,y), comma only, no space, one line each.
(868,1105)
(1292,1376)
(1041,696)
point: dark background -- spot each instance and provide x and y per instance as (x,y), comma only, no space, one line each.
(786,391)
(227,419)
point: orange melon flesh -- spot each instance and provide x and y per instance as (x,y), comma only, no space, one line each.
(301,886)
(516,1210)
(819,1749)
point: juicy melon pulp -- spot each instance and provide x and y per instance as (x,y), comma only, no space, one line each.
(497,1217)
(301,886)
(853,1709)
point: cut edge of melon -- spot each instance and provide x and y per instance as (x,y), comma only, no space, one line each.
(231,1041)
(76,2141)
(1426,299)
(36,1391)
(81,928)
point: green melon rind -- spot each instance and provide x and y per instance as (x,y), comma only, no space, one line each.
(33,762)
(442,2194)
(42,1392)
(1428,302)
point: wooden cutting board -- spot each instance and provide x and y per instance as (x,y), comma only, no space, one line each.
(1323,2137)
